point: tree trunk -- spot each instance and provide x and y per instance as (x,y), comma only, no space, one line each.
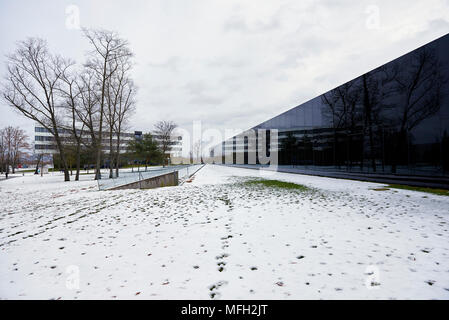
(111,155)
(368,109)
(78,162)
(100,142)
(98,164)
(117,157)
(39,157)
(62,157)
(371,141)
(7,167)
(336,162)
(398,149)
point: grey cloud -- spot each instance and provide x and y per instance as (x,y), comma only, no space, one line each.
(206,100)
(226,62)
(202,94)
(239,23)
(173,64)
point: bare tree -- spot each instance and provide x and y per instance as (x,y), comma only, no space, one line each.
(19,145)
(119,93)
(420,87)
(371,103)
(164,131)
(88,109)
(333,102)
(354,105)
(33,75)
(342,111)
(110,114)
(13,144)
(7,143)
(3,151)
(70,91)
(39,158)
(125,108)
(107,47)
(418,92)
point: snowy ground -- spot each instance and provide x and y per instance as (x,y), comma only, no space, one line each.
(218,237)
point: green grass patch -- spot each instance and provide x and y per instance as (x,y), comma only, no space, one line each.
(440,192)
(381,189)
(277,184)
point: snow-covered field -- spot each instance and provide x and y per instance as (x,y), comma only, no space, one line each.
(219,237)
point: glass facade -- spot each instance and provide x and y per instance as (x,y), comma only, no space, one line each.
(392,120)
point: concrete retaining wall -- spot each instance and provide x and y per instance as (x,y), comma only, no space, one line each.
(165,180)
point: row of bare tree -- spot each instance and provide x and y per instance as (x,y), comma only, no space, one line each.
(79,105)
(13,145)
(394,98)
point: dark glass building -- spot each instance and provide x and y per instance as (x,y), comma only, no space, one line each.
(391,123)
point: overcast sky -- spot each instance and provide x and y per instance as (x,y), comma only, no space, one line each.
(229,64)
